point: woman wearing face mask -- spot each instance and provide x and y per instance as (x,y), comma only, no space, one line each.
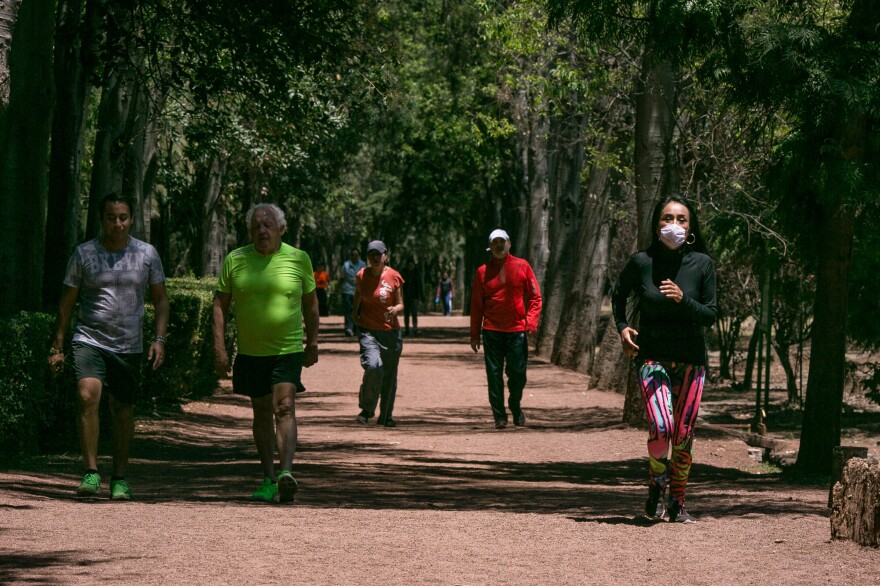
(672,283)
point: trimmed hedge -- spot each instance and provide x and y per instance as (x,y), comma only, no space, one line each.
(37,409)
(188,373)
(33,403)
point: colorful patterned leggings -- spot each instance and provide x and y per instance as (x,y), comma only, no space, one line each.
(672,395)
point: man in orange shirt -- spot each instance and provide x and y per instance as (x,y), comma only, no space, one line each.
(322,281)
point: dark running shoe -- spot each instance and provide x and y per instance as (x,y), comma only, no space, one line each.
(519,419)
(363,417)
(654,506)
(500,424)
(677,514)
(389,422)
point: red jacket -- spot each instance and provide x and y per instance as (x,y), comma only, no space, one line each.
(505,297)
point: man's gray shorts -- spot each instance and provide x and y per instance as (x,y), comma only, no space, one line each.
(119,373)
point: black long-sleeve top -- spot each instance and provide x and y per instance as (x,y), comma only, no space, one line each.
(668,331)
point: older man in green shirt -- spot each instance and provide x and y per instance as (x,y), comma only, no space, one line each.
(273,286)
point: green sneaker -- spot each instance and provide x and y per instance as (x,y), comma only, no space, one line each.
(119,490)
(266,492)
(90,484)
(286,487)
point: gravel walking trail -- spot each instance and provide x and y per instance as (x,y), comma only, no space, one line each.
(441,499)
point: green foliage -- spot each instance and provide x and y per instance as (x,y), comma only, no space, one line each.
(34,406)
(274,89)
(677,30)
(188,372)
(428,151)
(38,410)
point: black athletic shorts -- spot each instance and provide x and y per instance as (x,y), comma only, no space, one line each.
(119,373)
(254,375)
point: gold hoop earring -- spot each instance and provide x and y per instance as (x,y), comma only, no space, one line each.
(691,239)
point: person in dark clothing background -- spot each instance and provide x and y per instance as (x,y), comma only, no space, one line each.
(412,293)
(445,293)
(673,285)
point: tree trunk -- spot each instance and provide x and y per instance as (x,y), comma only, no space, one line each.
(108,160)
(73,46)
(728,337)
(633,403)
(575,342)
(820,431)
(124,146)
(764,343)
(537,249)
(653,134)
(563,228)
(514,203)
(751,356)
(142,154)
(25,126)
(784,355)
(251,195)
(213,227)
(821,424)
(654,127)
(612,366)
(8,14)
(126,140)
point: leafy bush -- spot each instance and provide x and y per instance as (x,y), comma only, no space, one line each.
(188,372)
(36,407)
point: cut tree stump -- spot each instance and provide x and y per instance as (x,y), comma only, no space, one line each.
(855,510)
(840,455)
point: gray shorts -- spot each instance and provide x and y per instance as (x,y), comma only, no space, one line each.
(254,376)
(119,373)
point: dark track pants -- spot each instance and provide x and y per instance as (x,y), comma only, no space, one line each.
(510,348)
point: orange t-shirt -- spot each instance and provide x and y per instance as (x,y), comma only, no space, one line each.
(322,279)
(377,294)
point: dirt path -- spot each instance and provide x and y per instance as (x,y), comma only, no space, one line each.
(441,499)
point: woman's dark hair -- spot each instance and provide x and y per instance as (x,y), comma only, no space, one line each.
(114,197)
(695,238)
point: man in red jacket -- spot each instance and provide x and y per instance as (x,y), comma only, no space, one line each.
(505,305)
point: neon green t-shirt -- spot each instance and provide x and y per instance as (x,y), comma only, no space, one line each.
(267,292)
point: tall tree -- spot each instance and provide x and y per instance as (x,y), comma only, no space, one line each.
(8,13)
(819,63)
(653,25)
(75,60)
(24,141)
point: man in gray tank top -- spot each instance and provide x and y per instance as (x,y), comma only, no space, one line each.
(109,277)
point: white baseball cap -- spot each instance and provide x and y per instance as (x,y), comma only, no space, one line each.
(499,233)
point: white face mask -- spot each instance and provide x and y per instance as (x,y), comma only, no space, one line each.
(672,235)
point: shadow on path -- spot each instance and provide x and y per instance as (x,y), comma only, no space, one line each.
(206,458)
